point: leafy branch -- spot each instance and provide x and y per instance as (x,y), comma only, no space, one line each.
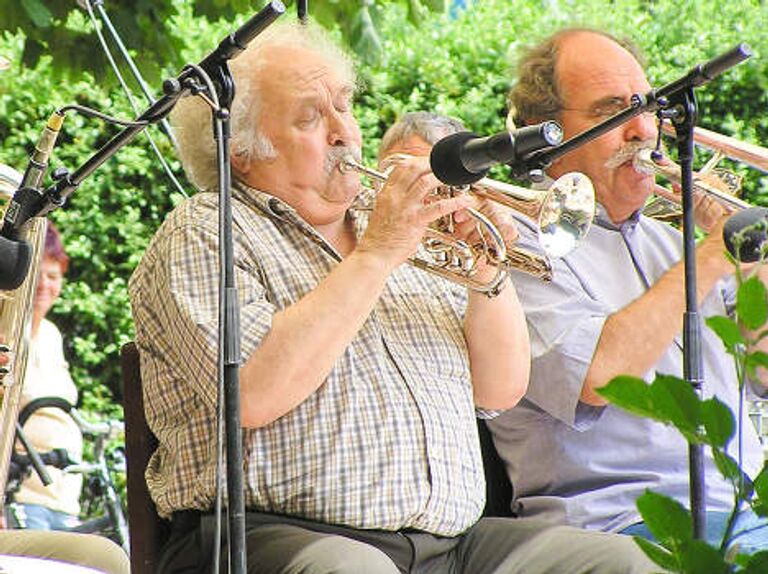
(709,422)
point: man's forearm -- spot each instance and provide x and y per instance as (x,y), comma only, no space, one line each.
(307,338)
(499,349)
(635,337)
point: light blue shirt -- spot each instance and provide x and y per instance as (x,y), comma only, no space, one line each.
(586,466)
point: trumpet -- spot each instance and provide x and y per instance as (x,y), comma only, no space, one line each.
(721,185)
(564,214)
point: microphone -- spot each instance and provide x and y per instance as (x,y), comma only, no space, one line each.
(463,158)
(26,202)
(745,234)
(15,257)
(233,44)
(16,254)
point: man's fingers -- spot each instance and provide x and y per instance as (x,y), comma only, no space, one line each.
(442,207)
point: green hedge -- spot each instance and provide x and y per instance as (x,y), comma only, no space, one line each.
(459,66)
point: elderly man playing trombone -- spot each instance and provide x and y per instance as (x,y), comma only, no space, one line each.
(615,307)
(361,377)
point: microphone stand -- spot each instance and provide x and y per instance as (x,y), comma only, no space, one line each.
(302,10)
(683,112)
(214,67)
(676,101)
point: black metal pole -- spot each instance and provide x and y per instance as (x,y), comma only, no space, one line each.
(302,10)
(229,351)
(683,106)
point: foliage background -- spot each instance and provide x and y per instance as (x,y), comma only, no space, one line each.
(416,56)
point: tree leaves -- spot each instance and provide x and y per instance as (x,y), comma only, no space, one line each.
(670,400)
(752,303)
(671,524)
(63,31)
(38,13)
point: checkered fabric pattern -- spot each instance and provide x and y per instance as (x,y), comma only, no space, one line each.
(388,441)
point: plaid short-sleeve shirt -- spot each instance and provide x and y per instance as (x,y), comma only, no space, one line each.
(388,441)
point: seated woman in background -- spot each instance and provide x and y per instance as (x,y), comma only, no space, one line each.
(56,506)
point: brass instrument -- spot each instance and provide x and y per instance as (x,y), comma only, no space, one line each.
(721,185)
(15,324)
(564,213)
(748,153)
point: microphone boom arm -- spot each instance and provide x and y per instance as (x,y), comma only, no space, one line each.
(652,101)
(55,195)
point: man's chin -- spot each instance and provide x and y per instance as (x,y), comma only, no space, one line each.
(635,180)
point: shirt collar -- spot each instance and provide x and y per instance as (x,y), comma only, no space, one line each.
(625,227)
(276,208)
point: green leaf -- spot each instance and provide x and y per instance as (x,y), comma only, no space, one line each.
(699,557)
(730,469)
(668,399)
(757,563)
(668,520)
(719,422)
(760,484)
(752,303)
(364,36)
(632,394)
(38,13)
(659,555)
(675,401)
(728,331)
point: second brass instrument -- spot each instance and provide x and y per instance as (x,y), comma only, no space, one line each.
(563,213)
(15,325)
(721,185)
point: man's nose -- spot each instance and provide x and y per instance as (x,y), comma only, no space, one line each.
(641,127)
(342,130)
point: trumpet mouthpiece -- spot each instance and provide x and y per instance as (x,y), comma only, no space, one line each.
(644,160)
(345,164)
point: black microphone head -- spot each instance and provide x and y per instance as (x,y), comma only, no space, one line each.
(745,235)
(15,257)
(445,160)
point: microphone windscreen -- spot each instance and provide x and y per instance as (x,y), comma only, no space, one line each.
(15,257)
(744,233)
(445,160)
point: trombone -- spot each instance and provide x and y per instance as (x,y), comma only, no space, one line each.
(721,185)
(564,214)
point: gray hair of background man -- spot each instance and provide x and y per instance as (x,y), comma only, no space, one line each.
(535,96)
(428,126)
(191,117)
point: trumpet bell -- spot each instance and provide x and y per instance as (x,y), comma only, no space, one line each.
(566,215)
(563,213)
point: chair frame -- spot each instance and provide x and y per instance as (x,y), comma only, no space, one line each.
(147,530)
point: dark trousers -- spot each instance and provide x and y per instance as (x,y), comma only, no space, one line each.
(286,545)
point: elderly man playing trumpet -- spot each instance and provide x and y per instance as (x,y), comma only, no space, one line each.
(361,377)
(615,307)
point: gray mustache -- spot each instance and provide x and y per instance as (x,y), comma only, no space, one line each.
(336,154)
(628,152)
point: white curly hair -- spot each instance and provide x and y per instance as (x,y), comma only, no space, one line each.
(191,118)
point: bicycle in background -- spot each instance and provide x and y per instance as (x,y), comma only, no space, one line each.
(100,500)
